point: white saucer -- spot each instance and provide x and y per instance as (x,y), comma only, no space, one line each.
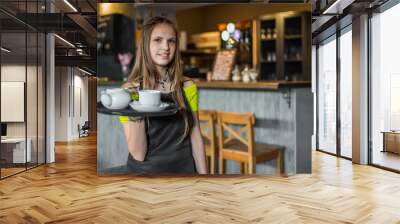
(139,107)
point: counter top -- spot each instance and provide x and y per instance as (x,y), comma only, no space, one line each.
(267,85)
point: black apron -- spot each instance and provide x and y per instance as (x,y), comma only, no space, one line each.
(166,153)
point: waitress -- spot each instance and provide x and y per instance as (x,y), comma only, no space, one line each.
(171,144)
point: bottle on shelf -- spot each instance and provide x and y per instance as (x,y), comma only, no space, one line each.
(236,74)
(269,33)
(298,54)
(273,56)
(275,34)
(263,34)
(245,74)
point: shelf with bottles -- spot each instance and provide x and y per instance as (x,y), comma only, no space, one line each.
(293,70)
(268,51)
(283,46)
(269,57)
(268,30)
(293,39)
(293,50)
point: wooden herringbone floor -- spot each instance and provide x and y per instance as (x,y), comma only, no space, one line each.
(69,191)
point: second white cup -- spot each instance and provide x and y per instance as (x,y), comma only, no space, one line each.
(150,98)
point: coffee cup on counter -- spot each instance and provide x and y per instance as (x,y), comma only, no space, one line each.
(150,98)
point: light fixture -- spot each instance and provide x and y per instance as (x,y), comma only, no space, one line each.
(236,35)
(5,50)
(70,5)
(230,27)
(65,41)
(225,35)
(84,71)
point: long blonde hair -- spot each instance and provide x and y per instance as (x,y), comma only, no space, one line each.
(145,70)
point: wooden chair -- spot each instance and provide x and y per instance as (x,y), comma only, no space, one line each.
(236,147)
(207,120)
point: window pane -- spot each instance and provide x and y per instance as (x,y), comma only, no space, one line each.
(327,96)
(385,84)
(345,94)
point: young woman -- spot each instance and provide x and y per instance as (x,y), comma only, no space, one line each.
(171,144)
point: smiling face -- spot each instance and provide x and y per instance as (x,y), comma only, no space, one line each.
(162,45)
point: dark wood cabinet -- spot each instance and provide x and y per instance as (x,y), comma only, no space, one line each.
(282,46)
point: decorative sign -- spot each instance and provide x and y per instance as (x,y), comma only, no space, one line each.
(223,64)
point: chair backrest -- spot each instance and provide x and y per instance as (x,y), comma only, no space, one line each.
(207,119)
(244,120)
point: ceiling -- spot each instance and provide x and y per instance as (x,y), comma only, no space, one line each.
(76,26)
(330,16)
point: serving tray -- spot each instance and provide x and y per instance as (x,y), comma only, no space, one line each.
(128,111)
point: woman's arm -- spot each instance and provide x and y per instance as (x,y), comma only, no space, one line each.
(198,147)
(135,135)
(191,94)
(135,132)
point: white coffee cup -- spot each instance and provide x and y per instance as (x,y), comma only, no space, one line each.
(150,98)
(117,98)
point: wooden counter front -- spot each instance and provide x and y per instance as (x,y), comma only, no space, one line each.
(267,85)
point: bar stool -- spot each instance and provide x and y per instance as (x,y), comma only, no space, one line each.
(236,147)
(207,122)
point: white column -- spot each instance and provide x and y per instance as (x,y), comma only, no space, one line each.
(360,90)
(50,94)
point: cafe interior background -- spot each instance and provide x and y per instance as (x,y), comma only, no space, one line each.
(243,57)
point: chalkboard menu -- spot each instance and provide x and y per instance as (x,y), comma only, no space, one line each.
(223,64)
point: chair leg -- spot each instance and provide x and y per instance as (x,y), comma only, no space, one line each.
(208,160)
(252,167)
(212,164)
(282,159)
(279,163)
(221,165)
(242,168)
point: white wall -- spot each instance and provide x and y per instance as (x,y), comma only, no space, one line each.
(16,73)
(61,103)
(71,102)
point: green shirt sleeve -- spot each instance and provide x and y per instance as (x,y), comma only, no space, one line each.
(191,95)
